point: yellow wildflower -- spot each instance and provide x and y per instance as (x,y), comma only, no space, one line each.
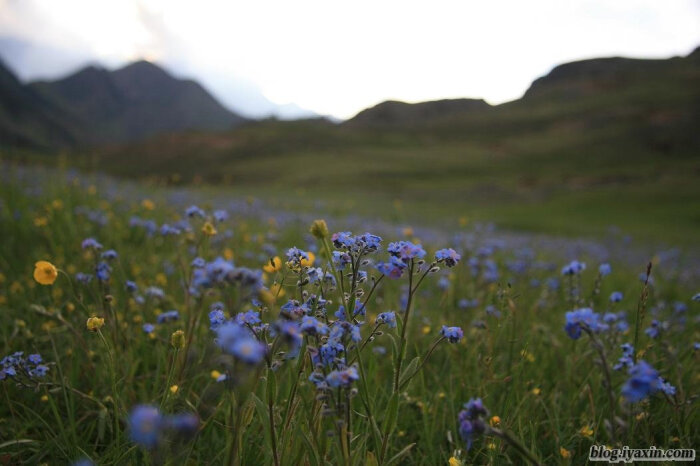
(41,221)
(310,261)
(45,273)
(564,452)
(174,389)
(495,421)
(215,374)
(95,323)
(454,462)
(586,431)
(426,329)
(161,279)
(228,254)
(208,229)
(536,391)
(274,265)
(148,204)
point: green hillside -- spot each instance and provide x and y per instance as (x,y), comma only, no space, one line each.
(593,144)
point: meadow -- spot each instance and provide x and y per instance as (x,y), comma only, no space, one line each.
(148,325)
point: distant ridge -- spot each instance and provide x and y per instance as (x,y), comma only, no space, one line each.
(395,113)
(135,102)
(28,120)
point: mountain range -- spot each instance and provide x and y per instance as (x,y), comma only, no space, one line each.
(97,107)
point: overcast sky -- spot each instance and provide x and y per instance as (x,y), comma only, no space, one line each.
(336,58)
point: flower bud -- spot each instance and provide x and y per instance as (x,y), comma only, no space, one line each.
(319,229)
(95,323)
(177,339)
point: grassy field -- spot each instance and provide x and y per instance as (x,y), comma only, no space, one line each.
(117,392)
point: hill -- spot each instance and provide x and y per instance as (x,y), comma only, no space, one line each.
(27,119)
(394,113)
(95,106)
(592,144)
(136,102)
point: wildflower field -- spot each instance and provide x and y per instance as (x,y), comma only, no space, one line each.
(168,328)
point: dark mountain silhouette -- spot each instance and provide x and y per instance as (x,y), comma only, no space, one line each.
(135,102)
(28,120)
(395,113)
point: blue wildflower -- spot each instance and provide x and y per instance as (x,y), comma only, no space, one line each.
(103,271)
(453,334)
(449,256)
(604,269)
(388,318)
(198,263)
(312,326)
(643,381)
(216,318)
(83,278)
(471,420)
(148,328)
(220,215)
(406,251)
(145,423)
(168,316)
(194,211)
(573,268)
(91,243)
(392,269)
(249,317)
(110,255)
(342,378)
(615,297)
(582,317)
(154,292)
(131,286)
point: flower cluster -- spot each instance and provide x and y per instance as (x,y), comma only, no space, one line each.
(472,420)
(16,365)
(643,381)
(582,318)
(148,426)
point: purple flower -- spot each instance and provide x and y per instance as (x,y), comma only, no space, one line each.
(573,268)
(168,316)
(643,381)
(312,326)
(449,256)
(575,320)
(194,211)
(388,318)
(145,422)
(342,378)
(453,334)
(406,251)
(91,243)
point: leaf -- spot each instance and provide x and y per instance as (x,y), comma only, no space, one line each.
(16,442)
(400,454)
(409,372)
(370,459)
(262,414)
(392,415)
(312,453)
